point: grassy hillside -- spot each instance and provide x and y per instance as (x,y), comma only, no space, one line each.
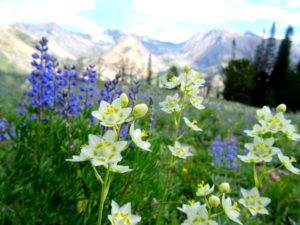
(39,187)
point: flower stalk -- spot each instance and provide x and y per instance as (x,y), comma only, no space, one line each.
(104,192)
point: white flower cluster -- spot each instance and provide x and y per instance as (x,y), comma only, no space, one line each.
(122,215)
(262,150)
(106,150)
(252,201)
(190,84)
(198,214)
(269,123)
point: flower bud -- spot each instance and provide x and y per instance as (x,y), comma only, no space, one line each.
(281,108)
(214,201)
(186,68)
(140,110)
(124,100)
(224,187)
(185,170)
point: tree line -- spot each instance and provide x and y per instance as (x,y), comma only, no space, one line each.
(269,79)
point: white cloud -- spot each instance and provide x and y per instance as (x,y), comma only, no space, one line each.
(292,4)
(169,15)
(64,12)
(170,20)
(296,37)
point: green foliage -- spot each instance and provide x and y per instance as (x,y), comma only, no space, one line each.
(39,187)
(6,66)
(173,71)
(279,76)
(239,80)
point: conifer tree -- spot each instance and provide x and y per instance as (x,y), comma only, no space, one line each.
(233,54)
(238,80)
(149,70)
(260,49)
(279,76)
(269,55)
(260,78)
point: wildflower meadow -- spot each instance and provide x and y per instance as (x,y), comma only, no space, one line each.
(78,150)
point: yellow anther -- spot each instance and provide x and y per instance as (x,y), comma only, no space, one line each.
(143,134)
(191,202)
(201,184)
(103,144)
(172,79)
(83,146)
(235,206)
(293,159)
(111,109)
(274,119)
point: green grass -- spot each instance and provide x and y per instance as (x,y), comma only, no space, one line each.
(39,187)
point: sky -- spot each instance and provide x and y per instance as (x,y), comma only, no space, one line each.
(165,20)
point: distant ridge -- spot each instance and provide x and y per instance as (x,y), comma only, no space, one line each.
(207,51)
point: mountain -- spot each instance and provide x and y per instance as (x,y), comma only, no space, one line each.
(130,56)
(205,50)
(64,43)
(159,47)
(114,49)
(16,49)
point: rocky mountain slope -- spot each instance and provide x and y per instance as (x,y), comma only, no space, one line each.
(129,56)
(114,49)
(16,48)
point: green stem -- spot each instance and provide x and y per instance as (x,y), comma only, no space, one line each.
(161,207)
(184,132)
(262,175)
(97,175)
(178,118)
(216,214)
(255,175)
(104,192)
(208,205)
(175,138)
(273,170)
(117,131)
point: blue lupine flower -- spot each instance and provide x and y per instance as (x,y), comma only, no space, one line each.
(111,91)
(43,82)
(231,154)
(34,118)
(6,131)
(87,80)
(224,152)
(123,133)
(46,118)
(217,147)
(3,130)
(12,132)
(67,100)
(133,92)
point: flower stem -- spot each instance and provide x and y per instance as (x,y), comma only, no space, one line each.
(171,163)
(255,175)
(273,170)
(162,206)
(262,175)
(97,175)
(216,214)
(104,192)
